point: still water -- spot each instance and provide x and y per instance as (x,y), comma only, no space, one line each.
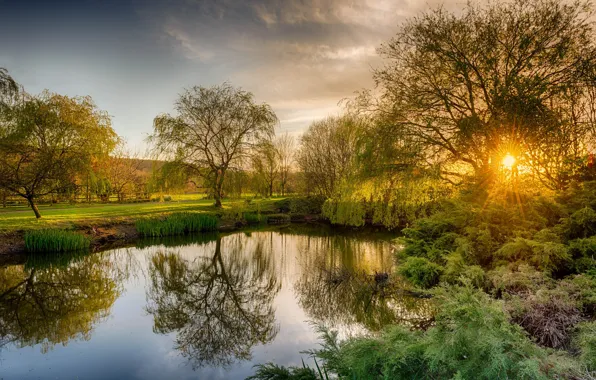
(200,307)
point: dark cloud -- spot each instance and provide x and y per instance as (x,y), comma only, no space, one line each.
(134,56)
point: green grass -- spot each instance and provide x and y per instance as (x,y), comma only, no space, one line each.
(176,224)
(53,240)
(69,216)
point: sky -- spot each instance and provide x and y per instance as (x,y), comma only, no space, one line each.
(134,57)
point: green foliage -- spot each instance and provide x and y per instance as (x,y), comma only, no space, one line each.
(176,224)
(235,212)
(254,218)
(547,257)
(54,240)
(457,272)
(272,371)
(582,223)
(471,339)
(312,205)
(347,213)
(421,272)
(585,342)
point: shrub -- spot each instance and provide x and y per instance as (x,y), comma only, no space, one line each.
(235,212)
(254,218)
(307,205)
(457,272)
(523,281)
(472,339)
(548,257)
(54,240)
(420,272)
(582,223)
(176,224)
(585,342)
(282,205)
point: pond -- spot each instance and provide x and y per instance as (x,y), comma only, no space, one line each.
(207,306)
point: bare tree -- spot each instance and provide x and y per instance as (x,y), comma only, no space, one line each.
(266,165)
(214,129)
(327,153)
(285,147)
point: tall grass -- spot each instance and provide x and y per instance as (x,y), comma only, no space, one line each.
(55,240)
(176,224)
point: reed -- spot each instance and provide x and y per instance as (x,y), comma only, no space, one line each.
(176,224)
(55,240)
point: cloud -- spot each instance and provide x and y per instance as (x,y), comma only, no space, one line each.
(300,56)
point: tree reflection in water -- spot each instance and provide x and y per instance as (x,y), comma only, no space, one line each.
(220,305)
(55,299)
(348,282)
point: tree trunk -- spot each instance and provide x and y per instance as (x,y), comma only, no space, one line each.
(218,187)
(4,199)
(34,207)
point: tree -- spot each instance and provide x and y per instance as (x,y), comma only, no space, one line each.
(124,172)
(45,141)
(8,86)
(508,77)
(285,148)
(214,129)
(265,163)
(327,153)
(220,305)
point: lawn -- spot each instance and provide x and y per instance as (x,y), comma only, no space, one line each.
(66,216)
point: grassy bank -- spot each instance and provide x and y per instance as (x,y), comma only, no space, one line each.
(68,216)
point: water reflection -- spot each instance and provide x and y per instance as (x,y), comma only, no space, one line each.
(55,299)
(347,282)
(220,304)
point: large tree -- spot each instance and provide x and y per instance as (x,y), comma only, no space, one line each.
(508,77)
(46,140)
(213,130)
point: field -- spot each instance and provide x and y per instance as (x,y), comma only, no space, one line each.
(66,216)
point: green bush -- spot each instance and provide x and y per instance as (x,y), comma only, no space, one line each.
(235,212)
(176,224)
(312,205)
(420,272)
(457,272)
(585,342)
(548,257)
(582,223)
(254,218)
(54,240)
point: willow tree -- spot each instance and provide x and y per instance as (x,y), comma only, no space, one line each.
(508,77)
(214,129)
(46,141)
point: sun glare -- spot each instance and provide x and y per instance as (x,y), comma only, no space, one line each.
(508,161)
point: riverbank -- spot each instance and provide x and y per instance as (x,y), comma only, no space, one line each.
(108,234)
